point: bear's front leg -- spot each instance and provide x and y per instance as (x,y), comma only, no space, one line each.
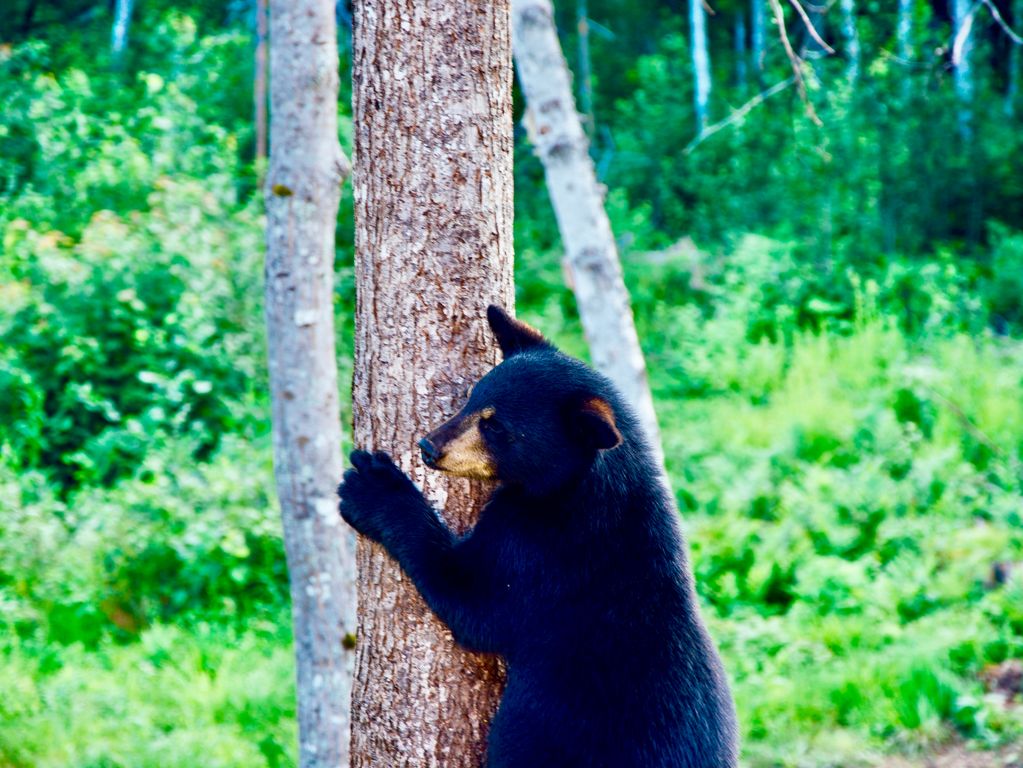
(453,576)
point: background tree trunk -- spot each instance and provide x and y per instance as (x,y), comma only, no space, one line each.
(119,31)
(701,61)
(302,193)
(904,48)
(585,76)
(758,19)
(259,79)
(739,35)
(852,39)
(590,250)
(1015,61)
(433,237)
(962,33)
(904,30)
(963,19)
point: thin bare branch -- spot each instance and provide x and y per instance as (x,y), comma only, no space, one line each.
(738,114)
(1001,22)
(797,63)
(809,26)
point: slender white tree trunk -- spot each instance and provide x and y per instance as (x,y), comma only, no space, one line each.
(303,184)
(433,238)
(758,20)
(590,251)
(963,18)
(962,23)
(119,31)
(701,61)
(852,39)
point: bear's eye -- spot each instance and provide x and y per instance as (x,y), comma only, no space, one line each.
(490,425)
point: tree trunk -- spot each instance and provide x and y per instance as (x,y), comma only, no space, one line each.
(302,192)
(757,26)
(590,250)
(904,30)
(963,18)
(433,235)
(852,39)
(585,75)
(119,32)
(1015,61)
(259,80)
(701,61)
(962,30)
(904,48)
(740,50)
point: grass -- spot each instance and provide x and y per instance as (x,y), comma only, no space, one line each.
(846,496)
(176,696)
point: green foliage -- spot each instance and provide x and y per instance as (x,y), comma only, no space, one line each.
(178,538)
(132,324)
(177,698)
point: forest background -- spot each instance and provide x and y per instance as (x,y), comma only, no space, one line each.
(830,301)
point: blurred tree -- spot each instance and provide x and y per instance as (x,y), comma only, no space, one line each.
(963,16)
(119,32)
(851,36)
(259,80)
(585,76)
(758,19)
(591,255)
(904,30)
(701,61)
(1015,60)
(739,50)
(306,171)
(433,235)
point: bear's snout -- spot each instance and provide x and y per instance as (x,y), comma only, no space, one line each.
(430,452)
(457,447)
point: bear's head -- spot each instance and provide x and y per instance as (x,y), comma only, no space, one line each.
(537,420)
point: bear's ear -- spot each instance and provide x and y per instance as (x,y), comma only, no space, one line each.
(596,420)
(512,335)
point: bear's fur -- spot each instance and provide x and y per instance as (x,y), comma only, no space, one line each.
(575,573)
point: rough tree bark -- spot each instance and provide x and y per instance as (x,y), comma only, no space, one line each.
(119,31)
(302,192)
(433,236)
(701,61)
(590,250)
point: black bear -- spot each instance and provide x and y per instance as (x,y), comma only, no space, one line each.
(575,572)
